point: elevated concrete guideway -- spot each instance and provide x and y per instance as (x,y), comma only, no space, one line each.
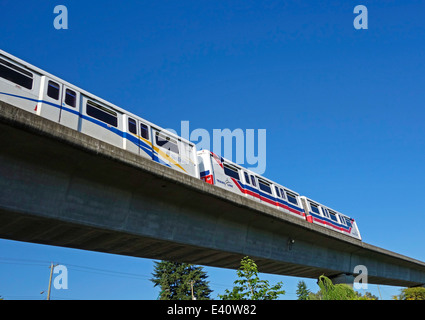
(60,187)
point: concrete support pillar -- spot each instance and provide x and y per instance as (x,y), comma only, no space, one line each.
(343,278)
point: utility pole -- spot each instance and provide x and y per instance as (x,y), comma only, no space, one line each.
(191,288)
(379,293)
(50,279)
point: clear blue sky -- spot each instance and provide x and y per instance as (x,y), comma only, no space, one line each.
(343,109)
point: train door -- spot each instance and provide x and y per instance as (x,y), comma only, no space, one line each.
(250,186)
(132,141)
(325,212)
(70,108)
(145,140)
(188,158)
(280,197)
(50,105)
(310,209)
(254,184)
(138,138)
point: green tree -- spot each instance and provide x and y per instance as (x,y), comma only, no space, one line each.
(366,296)
(411,294)
(330,291)
(302,291)
(177,279)
(250,287)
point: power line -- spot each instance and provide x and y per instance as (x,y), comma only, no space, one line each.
(107,272)
(22,261)
(6,296)
(94,270)
(42,263)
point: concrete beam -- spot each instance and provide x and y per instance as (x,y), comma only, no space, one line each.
(63,188)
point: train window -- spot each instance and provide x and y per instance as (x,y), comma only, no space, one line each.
(15,74)
(333,216)
(246,178)
(282,194)
(101,113)
(314,208)
(347,221)
(231,172)
(264,186)
(132,126)
(292,198)
(166,142)
(253,181)
(144,132)
(70,98)
(53,90)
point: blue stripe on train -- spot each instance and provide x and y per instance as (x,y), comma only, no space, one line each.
(269,197)
(143,145)
(205,173)
(334,223)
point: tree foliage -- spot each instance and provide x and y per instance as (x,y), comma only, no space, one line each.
(250,287)
(411,294)
(302,291)
(330,291)
(174,280)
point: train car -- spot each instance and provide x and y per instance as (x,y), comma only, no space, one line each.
(41,93)
(330,218)
(225,174)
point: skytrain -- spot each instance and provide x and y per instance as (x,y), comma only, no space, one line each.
(41,93)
